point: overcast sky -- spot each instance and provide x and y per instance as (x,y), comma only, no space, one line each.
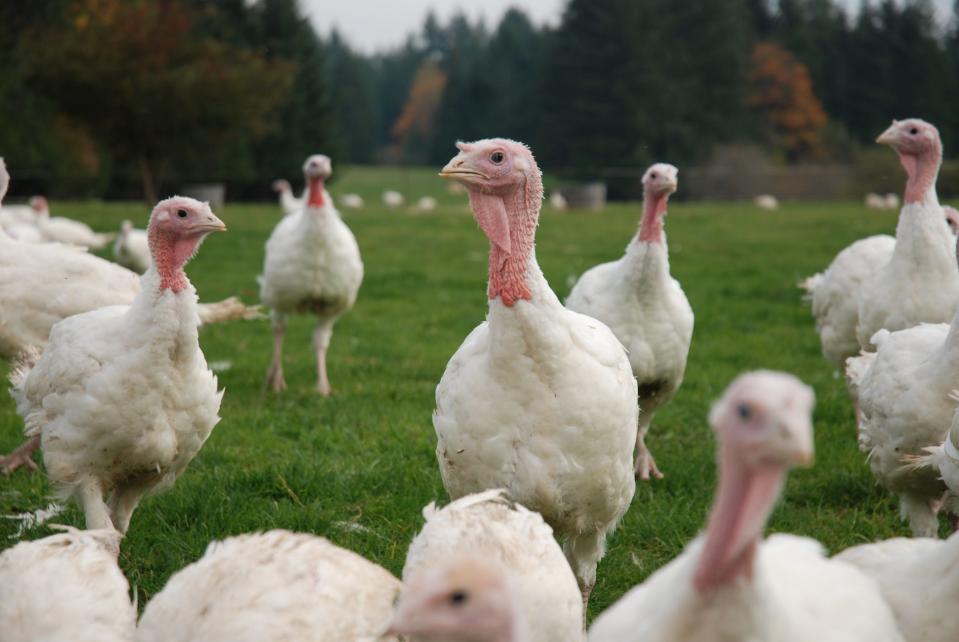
(374,25)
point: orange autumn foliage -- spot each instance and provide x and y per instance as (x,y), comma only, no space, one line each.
(419,113)
(780,89)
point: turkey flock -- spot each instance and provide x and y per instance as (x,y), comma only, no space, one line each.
(543,423)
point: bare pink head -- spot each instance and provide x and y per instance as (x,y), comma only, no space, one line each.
(659,182)
(459,600)
(920,151)
(281,186)
(764,426)
(39,205)
(177,227)
(506,192)
(317,168)
(952,218)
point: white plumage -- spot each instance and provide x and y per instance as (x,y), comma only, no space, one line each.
(905,406)
(65,587)
(920,282)
(490,527)
(312,266)
(766,202)
(875,201)
(289,203)
(352,201)
(558,202)
(730,585)
(131,249)
(121,398)
(919,579)
(393,199)
(538,399)
(66,230)
(276,586)
(834,294)
(646,309)
(426,204)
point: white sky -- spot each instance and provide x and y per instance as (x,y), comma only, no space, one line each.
(375,25)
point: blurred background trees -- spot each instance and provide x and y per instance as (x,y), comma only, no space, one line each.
(121,97)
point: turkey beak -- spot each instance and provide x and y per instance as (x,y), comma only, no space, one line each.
(888,137)
(210,223)
(456,169)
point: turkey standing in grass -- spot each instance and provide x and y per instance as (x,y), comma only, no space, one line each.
(289,203)
(276,586)
(65,230)
(919,579)
(131,248)
(65,587)
(538,400)
(488,526)
(920,282)
(312,266)
(645,308)
(731,585)
(121,398)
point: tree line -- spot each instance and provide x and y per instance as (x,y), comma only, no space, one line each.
(112,96)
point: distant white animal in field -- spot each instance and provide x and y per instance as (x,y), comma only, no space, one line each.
(66,230)
(512,410)
(426,204)
(455,188)
(289,203)
(488,526)
(313,266)
(875,201)
(920,282)
(393,199)
(276,586)
(131,248)
(65,587)
(352,201)
(121,398)
(892,201)
(919,578)
(645,308)
(557,201)
(766,202)
(730,583)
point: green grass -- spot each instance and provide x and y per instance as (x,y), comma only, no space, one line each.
(358,467)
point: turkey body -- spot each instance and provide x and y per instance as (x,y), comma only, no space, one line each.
(131,250)
(489,526)
(65,587)
(276,586)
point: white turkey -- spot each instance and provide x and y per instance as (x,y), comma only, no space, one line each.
(131,248)
(121,399)
(834,294)
(312,266)
(352,201)
(289,203)
(875,201)
(731,584)
(919,579)
(558,202)
(920,282)
(766,202)
(892,201)
(467,599)
(65,587)
(66,230)
(393,199)
(490,527)
(646,309)
(539,400)
(426,204)
(906,406)
(276,586)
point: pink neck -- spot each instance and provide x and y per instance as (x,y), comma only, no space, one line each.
(315,198)
(922,170)
(744,499)
(508,269)
(170,253)
(651,226)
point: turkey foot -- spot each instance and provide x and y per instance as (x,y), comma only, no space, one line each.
(274,378)
(645,467)
(22,456)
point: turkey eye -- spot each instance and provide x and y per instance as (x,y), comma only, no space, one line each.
(497,157)
(182,213)
(744,411)
(653,176)
(913,131)
(458,597)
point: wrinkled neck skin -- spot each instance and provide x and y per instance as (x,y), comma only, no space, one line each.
(647,254)
(922,171)
(315,197)
(513,274)
(170,253)
(651,225)
(744,498)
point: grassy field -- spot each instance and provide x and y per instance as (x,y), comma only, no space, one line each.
(358,467)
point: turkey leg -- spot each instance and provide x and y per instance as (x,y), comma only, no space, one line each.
(22,456)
